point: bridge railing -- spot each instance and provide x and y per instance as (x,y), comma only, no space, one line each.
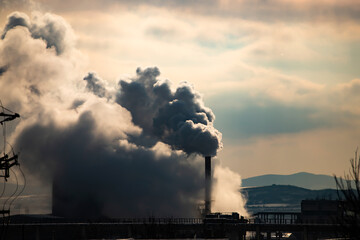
(149,220)
(273,221)
(159,220)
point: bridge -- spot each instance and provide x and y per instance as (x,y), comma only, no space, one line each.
(160,228)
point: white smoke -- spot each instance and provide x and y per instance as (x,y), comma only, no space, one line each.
(226,191)
(131,151)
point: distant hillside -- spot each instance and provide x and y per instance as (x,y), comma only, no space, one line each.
(302,179)
(282,197)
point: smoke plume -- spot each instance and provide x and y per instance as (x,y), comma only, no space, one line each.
(100,176)
(178,118)
(226,192)
(126,151)
(3,70)
(50,28)
(95,84)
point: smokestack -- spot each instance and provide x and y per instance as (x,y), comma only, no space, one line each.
(207,185)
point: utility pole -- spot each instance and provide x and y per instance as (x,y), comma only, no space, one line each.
(6,161)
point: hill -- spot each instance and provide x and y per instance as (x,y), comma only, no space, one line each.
(302,179)
(282,197)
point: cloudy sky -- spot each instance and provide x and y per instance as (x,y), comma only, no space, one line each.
(282,77)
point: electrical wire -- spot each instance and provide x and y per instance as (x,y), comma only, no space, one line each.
(7,219)
(17,187)
(4,148)
(11,198)
(4,108)
(3,191)
(4,128)
(4,134)
(4,186)
(22,190)
(12,195)
(3,214)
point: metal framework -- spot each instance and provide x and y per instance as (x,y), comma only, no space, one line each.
(6,161)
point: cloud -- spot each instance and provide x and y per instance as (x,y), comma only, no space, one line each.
(77,103)
(344,98)
(12,5)
(16,19)
(51,28)
(269,120)
(263,116)
(95,85)
(247,9)
(264,112)
(321,151)
(351,88)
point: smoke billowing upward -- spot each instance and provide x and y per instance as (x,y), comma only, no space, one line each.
(102,177)
(50,28)
(77,103)
(95,85)
(178,118)
(2,70)
(126,151)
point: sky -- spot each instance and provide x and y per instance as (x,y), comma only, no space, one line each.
(281,77)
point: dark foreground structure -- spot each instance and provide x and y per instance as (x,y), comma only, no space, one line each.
(161,228)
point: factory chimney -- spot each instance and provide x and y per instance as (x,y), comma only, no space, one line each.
(207,185)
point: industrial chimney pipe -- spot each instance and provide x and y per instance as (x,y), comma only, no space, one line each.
(207,185)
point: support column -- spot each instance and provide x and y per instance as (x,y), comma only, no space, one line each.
(258,232)
(207,185)
(305,233)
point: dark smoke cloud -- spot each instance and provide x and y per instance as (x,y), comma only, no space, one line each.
(95,85)
(16,19)
(77,103)
(178,118)
(50,28)
(34,90)
(3,69)
(99,177)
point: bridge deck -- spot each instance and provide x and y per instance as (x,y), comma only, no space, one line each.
(159,229)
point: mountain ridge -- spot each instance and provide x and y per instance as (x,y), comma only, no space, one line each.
(281,198)
(300,179)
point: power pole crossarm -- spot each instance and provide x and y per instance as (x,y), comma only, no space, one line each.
(9,117)
(6,163)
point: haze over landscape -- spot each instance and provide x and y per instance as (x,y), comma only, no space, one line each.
(150,88)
